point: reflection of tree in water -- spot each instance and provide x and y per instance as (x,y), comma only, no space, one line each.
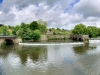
(33,52)
(22,56)
(34,55)
(5,50)
(83,48)
(24,52)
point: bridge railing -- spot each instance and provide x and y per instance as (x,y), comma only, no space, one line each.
(7,36)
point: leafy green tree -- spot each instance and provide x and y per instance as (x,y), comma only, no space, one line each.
(42,26)
(4,30)
(27,35)
(58,29)
(92,31)
(98,30)
(34,25)
(36,35)
(22,30)
(29,31)
(10,27)
(79,29)
(19,33)
(23,25)
(15,29)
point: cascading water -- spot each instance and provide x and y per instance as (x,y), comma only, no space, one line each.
(70,43)
(94,41)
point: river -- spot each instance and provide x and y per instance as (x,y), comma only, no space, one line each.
(60,58)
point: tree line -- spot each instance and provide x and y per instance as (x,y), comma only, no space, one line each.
(92,31)
(31,31)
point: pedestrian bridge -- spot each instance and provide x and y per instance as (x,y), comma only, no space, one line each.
(8,40)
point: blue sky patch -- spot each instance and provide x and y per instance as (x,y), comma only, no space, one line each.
(1,1)
(71,5)
(37,4)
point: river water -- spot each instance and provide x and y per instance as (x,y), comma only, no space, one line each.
(51,58)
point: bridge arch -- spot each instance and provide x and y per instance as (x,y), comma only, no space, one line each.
(9,41)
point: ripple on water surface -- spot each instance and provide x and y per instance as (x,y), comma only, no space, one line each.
(62,59)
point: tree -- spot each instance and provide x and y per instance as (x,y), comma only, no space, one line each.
(10,27)
(42,26)
(27,35)
(92,31)
(79,29)
(34,25)
(15,29)
(20,30)
(36,35)
(98,30)
(4,30)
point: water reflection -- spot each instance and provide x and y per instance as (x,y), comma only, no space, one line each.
(33,53)
(88,63)
(25,52)
(1,70)
(82,49)
(5,50)
(50,60)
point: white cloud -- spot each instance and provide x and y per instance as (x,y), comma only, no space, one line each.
(0,12)
(88,8)
(6,4)
(17,11)
(6,18)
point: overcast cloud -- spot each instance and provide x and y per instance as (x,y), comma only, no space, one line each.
(57,13)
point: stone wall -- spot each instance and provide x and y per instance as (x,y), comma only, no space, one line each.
(1,41)
(59,37)
(43,38)
(78,37)
(18,40)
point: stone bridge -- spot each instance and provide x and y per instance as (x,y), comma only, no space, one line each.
(79,37)
(9,40)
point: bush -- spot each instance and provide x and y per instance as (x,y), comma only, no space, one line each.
(36,35)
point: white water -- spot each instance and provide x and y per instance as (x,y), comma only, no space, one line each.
(94,41)
(70,43)
(52,43)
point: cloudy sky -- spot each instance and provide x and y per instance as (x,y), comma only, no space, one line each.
(57,13)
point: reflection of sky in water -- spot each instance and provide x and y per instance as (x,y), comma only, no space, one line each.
(89,64)
(53,60)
